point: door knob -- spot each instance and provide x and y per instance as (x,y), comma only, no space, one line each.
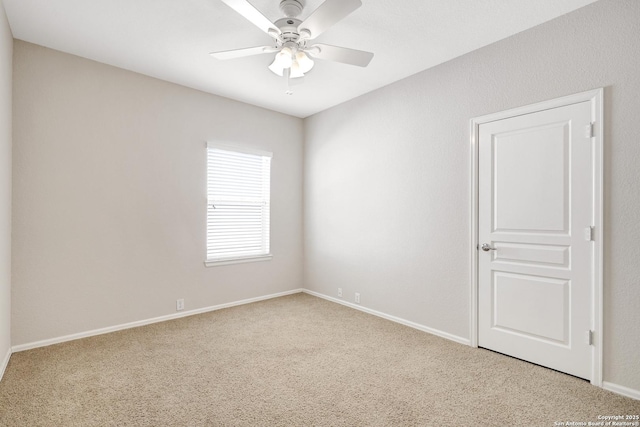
(486,247)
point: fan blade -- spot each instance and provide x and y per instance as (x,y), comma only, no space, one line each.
(340,54)
(327,14)
(253,15)
(239,53)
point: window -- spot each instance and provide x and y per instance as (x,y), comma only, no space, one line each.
(238,193)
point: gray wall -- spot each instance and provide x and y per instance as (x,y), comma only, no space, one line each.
(109,202)
(6,55)
(387,175)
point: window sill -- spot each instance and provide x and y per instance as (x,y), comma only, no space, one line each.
(257,258)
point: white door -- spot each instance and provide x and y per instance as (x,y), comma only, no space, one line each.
(535,206)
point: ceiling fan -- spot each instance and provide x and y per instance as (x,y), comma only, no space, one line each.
(292,37)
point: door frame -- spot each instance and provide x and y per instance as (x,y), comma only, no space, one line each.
(595,97)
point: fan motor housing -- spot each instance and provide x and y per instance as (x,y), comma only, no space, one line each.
(289,29)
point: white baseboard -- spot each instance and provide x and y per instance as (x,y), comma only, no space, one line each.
(51,341)
(414,325)
(5,362)
(622,390)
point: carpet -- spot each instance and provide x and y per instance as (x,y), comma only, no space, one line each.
(291,361)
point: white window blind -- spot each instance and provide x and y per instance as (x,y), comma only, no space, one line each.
(238,192)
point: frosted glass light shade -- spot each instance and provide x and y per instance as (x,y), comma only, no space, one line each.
(305,63)
(296,71)
(295,65)
(276,68)
(284,58)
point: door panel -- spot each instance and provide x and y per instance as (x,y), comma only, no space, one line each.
(534,204)
(531,179)
(531,306)
(529,254)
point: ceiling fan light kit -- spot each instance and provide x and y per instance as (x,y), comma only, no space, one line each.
(291,37)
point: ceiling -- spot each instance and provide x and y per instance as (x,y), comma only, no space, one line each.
(171,40)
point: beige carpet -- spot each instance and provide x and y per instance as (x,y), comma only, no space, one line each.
(291,361)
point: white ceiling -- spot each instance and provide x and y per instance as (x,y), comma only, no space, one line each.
(171,40)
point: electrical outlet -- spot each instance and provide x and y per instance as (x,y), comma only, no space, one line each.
(340,292)
(357,298)
(180,304)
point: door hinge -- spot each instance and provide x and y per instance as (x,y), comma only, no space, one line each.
(589,234)
(588,338)
(589,131)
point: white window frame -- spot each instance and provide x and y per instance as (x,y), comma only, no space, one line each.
(212,199)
